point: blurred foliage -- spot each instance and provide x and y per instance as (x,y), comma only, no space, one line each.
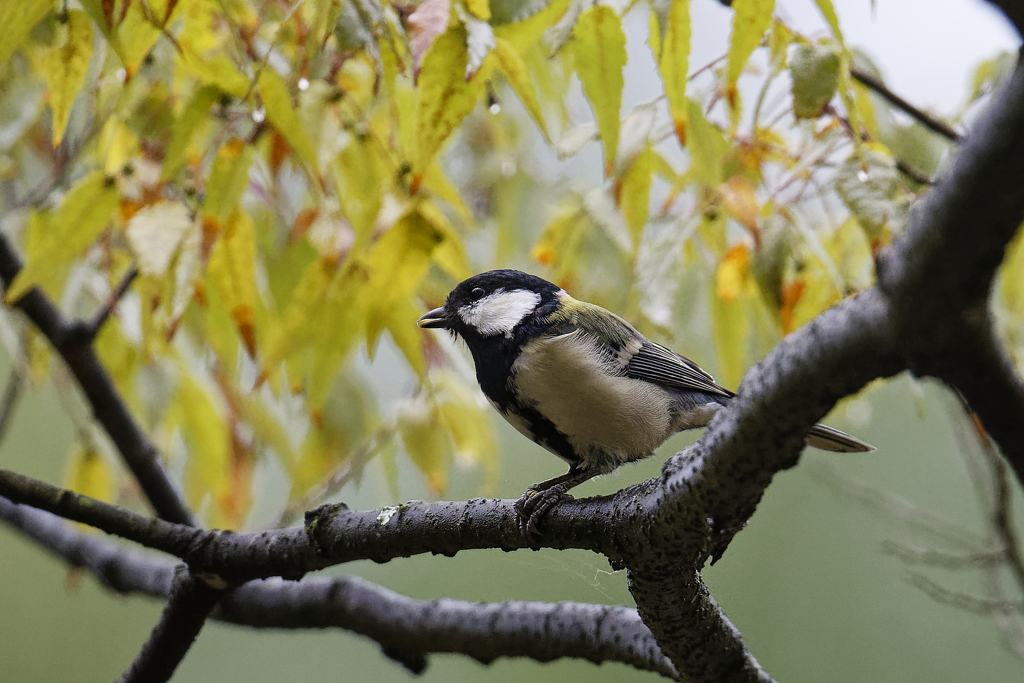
(296,180)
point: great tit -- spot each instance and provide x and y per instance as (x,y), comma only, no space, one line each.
(579,380)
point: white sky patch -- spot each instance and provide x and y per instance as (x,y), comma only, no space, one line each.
(500,312)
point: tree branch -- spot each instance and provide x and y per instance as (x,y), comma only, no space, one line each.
(107,309)
(72,342)
(190,601)
(937,277)
(927,120)
(408,630)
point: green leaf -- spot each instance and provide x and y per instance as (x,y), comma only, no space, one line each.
(69,230)
(815,74)
(674,63)
(17,17)
(750,19)
(282,116)
(867,184)
(599,55)
(66,65)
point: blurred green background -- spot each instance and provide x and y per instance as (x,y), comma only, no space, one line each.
(807,582)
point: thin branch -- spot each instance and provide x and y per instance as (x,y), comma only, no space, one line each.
(964,601)
(189,604)
(96,323)
(407,629)
(154,533)
(12,393)
(138,452)
(925,119)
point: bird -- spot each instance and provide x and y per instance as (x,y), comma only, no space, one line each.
(580,381)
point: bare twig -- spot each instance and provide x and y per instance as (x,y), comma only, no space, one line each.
(109,408)
(927,120)
(12,392)
(96,323)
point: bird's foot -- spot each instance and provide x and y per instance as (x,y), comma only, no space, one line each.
(534,504)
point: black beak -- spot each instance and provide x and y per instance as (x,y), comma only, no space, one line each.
(436,318)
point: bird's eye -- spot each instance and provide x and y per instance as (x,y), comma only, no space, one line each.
(476,294)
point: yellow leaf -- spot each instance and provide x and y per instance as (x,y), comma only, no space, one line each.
(449,254)
(228,179)
(829,12)
(205,433)
(481,8)
(282,116)
(408,338)
(707,146)
(184,127)
(129,33)
(733,275)
(426,442)
(75,225)
(117,144)
(635,192)
(219,71)
(17,17)
(750,20)
(437,183)
(232,269)
(730,324)
(396,265)
(89,474)
(514,69)
(154,233)
(444,96)
(740,202)
(528,32)
(1011,278)
(599,55)
(674,63)
(300,321)
(468,420)
(359,174)
(66,65)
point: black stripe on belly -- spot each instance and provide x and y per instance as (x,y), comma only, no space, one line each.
(545,433)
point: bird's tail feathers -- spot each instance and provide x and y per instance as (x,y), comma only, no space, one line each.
(828,439)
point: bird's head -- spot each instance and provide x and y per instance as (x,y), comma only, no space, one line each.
(493,305)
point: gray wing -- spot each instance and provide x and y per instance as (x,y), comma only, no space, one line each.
(654,363)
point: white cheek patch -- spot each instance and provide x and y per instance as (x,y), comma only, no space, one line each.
(499,312)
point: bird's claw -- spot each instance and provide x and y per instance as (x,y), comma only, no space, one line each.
(534,504)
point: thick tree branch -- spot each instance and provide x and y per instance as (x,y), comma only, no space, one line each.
(937,277)
(1014,11)
(190,602)
(72,342)
(408,630)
